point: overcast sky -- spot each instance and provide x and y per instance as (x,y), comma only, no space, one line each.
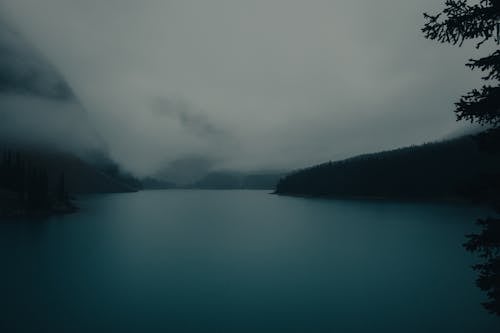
(254,84)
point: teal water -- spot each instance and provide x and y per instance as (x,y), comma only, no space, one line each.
(241,261)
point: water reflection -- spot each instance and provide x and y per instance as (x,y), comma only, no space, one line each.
(245,261)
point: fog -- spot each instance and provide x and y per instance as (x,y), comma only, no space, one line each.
(38,109)
(248,85)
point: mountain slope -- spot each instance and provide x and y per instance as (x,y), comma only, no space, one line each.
(38,108)
(42,119)
(438,170)
(80,177)
(23,71)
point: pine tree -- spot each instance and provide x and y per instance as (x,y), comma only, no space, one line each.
(479,21)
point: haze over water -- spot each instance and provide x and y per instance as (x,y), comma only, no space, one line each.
(241,261)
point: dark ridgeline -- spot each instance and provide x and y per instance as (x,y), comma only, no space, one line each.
(443,170)
(25,189)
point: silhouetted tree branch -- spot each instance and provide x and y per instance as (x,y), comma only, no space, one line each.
(459,21)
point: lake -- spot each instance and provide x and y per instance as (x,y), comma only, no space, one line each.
(241,261)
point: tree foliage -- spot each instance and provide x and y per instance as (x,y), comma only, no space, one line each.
(478,21)
(461,21)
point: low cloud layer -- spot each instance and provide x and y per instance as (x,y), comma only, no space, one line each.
(46,124)
(250,84)
(190,119)
(37,107)
(24,72)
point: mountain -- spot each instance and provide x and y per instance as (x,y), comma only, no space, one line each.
(200,172)
(38,108)
(34,183)
(80,176)
(440,170)
(23,71)
(185,171)
(44,122)
(238,180)
(156,184)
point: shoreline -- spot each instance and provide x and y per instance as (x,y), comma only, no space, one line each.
(57,209)
(451,200)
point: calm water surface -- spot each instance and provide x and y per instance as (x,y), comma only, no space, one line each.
(241,261)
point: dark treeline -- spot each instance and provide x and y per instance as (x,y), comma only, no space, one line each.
(26,189)
(442,170)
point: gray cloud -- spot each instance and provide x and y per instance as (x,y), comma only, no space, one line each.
(188,117)
(293,82)
(37,106)
(44,123)
(23,71)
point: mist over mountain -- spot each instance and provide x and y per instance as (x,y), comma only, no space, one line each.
(24,72)
(231,180)
(248,85)
(38,108)
(185,171)
(43,121)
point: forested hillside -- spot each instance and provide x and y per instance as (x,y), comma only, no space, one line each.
(43,182)
(441,170)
